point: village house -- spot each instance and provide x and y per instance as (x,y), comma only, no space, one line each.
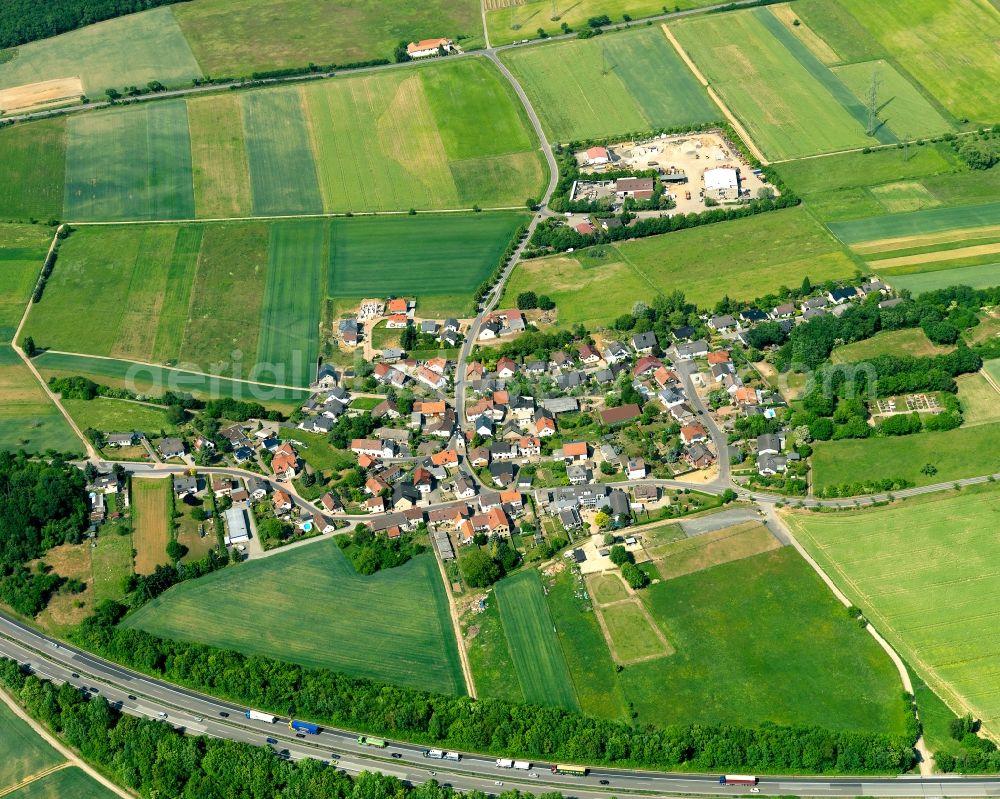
(621,414)
(693,433)
(598,156)
(171,448)
(427,48)
(574,451)
(121,439)
(285,462)
(282,502)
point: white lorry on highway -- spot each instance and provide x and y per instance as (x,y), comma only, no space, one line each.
(522,765)
(256,715)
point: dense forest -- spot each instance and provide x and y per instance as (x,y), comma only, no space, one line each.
(491,725)
(24,21)
(42,505)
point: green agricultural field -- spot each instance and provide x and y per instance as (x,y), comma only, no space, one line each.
(632,633)
(33,169)
(917,224)
(219,165)
(65,782)
(955,454)
(935,609)
(538,657)
(282,166)
(129,50)
(22,751)
(977,277)
(441,136)
(423,255)
(511,22)
(911,341)
(22,252)
(239,39)
(129,164)
(948,45)
(762,639)
(629,82)
(743,259)
(590,665)
(154,380)
(790,102)
(297,267)
(115,416)
(393,626)
(903,109)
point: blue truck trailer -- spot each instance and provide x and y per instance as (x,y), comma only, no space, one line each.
(303,726)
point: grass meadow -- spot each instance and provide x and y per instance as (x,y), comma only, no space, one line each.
(219,166)
(393,626)
(133,49)
(438,136)
(743,259)
(115,416)
(489,656)
(948,45)
(790,102)
(150,522)
(980,401)
(65,782)
(22,751)
(238,39)
(936,610)
(910,341)
(132,163)
(510,22)
(598,87)
(955,454)
(111,564)
(761,639)
(32,170)
(534,646)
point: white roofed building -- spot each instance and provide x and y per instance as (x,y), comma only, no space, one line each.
(722,184)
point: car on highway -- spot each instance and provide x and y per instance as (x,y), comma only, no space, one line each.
(75,676)
(755,790)
(605,782)
(334,756)
(162,715)
(94,690)
(498,782)
(300,735)
(271,740)
(224,714)
(199,719)
(396,755)
(130,696)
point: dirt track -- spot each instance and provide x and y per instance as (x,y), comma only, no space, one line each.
(46,92)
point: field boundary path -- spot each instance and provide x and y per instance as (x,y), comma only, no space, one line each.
(737,125)
(926,756)
(71,758)
(35,777)
(463,655)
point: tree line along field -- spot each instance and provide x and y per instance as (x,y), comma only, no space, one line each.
(509,21)
(28,420)
(938,610)
(598,87)
(437,136)
(754,639)
(393,626)
(774,78)
(744,259)
(244,299)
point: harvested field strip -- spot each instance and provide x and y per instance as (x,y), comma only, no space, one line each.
(895,227)
(298,256)
(534,647)
(177,295)
(130,164)
(711,549)
(966,239)
(393,626)
(155,380)
(821,73)
(937,255)
(787,15)
(150,510)
(921,243)
(282,169)
(219,163)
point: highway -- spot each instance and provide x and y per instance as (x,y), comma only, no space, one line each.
(195,713)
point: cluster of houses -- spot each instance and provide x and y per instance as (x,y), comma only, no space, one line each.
(498,324)
(399,314)
(394,370)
